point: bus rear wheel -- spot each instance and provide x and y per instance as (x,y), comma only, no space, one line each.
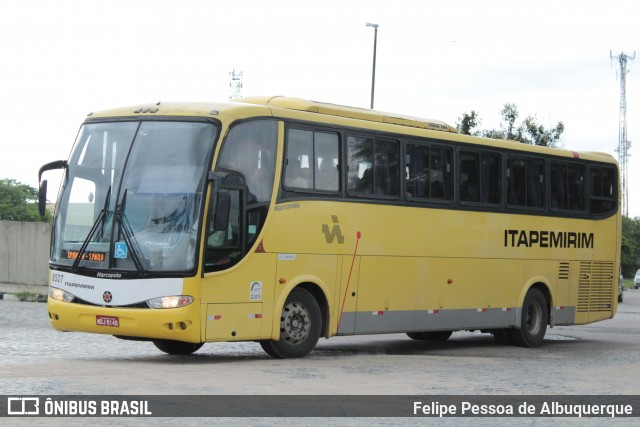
(177,347)
(300,323)
(533,323)
(430,336)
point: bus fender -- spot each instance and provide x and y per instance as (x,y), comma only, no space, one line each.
(543,285)
(313,284)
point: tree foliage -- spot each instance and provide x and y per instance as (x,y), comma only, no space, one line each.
(630,251)
(19,202)
(529,131)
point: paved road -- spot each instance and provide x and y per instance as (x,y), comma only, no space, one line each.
(601,358)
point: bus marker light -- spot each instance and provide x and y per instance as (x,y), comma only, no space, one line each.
(377,313)
(449,281)
(433,311)
(282,281)
(482,310)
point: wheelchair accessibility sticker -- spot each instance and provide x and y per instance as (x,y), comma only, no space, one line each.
(120,250)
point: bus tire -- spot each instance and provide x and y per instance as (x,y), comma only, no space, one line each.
(533,323)
(300,326)
(430,336)
(177,347)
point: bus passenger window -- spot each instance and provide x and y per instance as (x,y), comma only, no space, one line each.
(575,187)
(525,182)
(312,161)
(535,183)
(327,167)
(469,176)
(298,172)
(567,187)
(604,189)
(559,191)
(490,178)
(428,172)
(374,166)
(516,182)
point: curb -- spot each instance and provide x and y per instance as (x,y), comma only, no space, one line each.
(8,297)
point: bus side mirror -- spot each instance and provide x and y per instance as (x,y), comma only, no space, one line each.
(42,198)
(223,205)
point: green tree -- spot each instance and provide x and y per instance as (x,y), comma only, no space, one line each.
(630,251)
(19,202)
(529,131)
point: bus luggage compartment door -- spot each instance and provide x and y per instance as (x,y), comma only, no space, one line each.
(234,322)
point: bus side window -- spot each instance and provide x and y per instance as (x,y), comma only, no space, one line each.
(559,191)
(576,187)
(536,196)
(490,178)
(469,176)
(525,182)
(312,161)
(567,186)
(516,181)
(360,155)
(603,190)
(428,172)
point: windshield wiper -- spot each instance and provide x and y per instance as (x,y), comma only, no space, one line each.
(99,221)
(125,229)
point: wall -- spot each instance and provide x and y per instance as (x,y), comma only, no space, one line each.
(24,252)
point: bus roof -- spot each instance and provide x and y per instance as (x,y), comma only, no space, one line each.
(349,112)
(269,105)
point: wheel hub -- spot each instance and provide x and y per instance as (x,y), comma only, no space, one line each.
(294,323)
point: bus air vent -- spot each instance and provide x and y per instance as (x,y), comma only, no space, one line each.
(563,271)
(595,286)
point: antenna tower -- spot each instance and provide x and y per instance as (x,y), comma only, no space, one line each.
(624,145)
(235,84)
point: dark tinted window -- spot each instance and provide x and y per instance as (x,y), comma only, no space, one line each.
(428,173)
(604,189)
(373,166)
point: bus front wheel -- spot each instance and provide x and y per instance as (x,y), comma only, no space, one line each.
(533,323)
(177,347)
(300,323)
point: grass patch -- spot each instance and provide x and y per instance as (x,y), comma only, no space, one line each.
(30,296)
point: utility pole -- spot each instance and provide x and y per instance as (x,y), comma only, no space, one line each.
(375,48)
(624,145)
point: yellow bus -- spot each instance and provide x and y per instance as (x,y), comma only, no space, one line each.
(281,220)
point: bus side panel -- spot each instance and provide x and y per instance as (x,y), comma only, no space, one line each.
(250,288)
(386,294)
(321,271)
(344,318)
(485,289)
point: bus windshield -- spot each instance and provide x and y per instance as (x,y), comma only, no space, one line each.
(133,196)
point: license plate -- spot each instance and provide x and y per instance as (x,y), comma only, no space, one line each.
(108,321)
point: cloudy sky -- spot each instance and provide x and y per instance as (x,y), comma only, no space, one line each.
(60,60)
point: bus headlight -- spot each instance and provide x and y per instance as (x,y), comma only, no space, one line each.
(60,295)
(170,302)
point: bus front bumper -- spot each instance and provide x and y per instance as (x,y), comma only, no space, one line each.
(181,324)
